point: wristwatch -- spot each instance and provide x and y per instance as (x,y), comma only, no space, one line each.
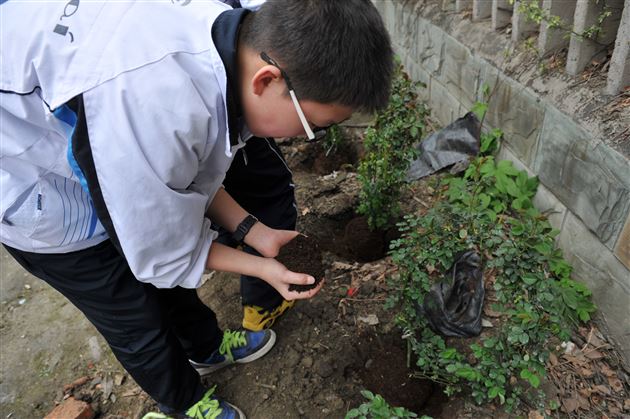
(244,227)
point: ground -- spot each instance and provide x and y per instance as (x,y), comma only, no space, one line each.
(329,348)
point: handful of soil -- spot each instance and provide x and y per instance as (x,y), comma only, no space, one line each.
(302,254)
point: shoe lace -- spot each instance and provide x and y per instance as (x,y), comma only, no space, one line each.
(232,340)
(206,408)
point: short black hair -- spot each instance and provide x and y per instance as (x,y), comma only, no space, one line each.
(334,51)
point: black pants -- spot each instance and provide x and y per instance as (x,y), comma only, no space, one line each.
(153,332)
(261,182)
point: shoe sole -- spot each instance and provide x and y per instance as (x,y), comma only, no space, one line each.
(241,415)
(256,355)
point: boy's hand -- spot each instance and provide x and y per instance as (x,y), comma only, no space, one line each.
(279,277)
(268,241)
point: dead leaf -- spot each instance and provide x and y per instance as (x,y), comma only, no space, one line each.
(118,379)
(570,405)
(584,403)
(593,354)
(586,372)
(626,404)
(430,268)
(607,371)
(340,266)
(553,359)
(534,414)
(616,384)
(602,389)
(306,211)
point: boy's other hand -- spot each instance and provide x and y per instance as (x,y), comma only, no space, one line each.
(268,241)
(279,277)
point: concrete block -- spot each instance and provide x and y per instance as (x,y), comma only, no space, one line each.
(594,265)
(522,28)
(501,13)
(622,250)
(551,40)
(461,5)
(582,50)
(417,73)
(444,106)
(459,71)
(515,110)
(448,5)
(482,9)
(619,72)
(591,179)
(544,200)
(428,46)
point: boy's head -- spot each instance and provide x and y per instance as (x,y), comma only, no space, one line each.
(335,55)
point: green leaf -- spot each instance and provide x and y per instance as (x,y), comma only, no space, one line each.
(529,279)
(494,392)
(463,233)
(367,394)
(480,109)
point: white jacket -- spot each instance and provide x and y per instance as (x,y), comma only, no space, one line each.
(154,94)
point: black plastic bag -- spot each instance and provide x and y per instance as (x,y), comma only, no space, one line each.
(453,306)
(451,146)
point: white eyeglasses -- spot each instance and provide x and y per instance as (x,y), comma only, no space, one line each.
(315,132)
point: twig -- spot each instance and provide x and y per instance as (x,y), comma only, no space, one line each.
(365,299)
(420,201)
(323,346)
(588,340)
(269,386)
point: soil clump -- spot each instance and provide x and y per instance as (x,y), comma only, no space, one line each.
(303,254)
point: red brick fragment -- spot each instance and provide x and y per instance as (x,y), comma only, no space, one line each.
(72,408)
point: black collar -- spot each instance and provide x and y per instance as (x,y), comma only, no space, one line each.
(225,37)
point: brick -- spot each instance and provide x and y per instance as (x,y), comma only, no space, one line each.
(71,408)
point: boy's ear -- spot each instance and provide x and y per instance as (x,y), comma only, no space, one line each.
(264,77)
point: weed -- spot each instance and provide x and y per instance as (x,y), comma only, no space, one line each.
(377,408)
(389,150)
(489,210)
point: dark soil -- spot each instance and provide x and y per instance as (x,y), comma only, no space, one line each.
(316,158)
(383,370)
(302,254)
(364,244)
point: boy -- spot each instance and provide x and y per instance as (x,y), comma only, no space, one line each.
(119,123)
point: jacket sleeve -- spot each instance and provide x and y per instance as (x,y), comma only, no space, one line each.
(150,130)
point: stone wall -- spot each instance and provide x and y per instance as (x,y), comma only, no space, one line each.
(549,130)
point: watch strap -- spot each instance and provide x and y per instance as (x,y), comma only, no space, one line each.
(244,227)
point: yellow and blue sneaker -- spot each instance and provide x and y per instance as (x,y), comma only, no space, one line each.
(209,407)
(237,347)
(257,318)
